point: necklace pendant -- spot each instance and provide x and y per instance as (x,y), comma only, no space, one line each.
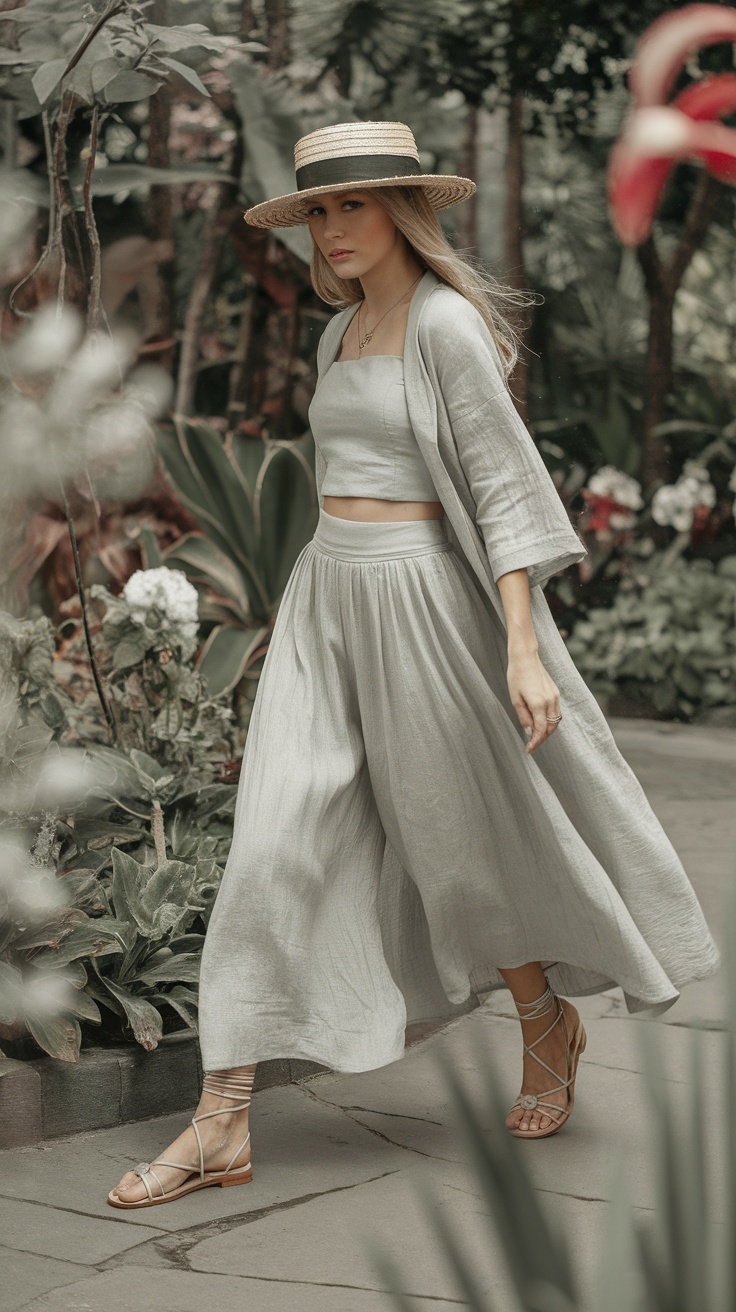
(365,340)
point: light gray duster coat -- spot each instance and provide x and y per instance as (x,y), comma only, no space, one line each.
(503,512)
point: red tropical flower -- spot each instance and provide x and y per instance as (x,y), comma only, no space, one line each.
(658,132)
(602,509)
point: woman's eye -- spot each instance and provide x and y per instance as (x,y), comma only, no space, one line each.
(320,209)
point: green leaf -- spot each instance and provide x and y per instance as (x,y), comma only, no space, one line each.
(181,968)
(147,765)
(187,73)
(47,77)
(225,656)
(183,1001)
(102,73)
(170,882)
(80,1003)
(187,943)
(129,652)
(187,36)
(59,1036)
(95,938)
(11,981)
(129,879)
(130,85)
(144,1018)
(202,561)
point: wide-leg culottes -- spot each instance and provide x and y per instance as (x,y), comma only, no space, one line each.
(379,719)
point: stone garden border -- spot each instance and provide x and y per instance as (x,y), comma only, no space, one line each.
(46,1098)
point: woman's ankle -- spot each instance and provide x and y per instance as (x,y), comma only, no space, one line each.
(227,1089)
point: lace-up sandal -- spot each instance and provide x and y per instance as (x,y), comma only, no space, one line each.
(226,1084)
(541,1006)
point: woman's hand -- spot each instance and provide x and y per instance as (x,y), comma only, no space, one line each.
(534,694)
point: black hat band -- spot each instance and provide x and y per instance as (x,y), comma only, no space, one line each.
(354,168)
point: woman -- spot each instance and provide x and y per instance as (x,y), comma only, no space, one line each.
(431,802)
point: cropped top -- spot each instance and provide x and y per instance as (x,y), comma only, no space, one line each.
(360,423)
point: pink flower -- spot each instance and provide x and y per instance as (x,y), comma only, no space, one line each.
(657,133)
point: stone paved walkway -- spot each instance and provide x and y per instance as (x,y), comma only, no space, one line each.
(336,1157)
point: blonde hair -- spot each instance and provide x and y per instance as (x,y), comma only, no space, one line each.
(413,215)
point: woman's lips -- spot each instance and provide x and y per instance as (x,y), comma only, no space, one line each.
(341,255)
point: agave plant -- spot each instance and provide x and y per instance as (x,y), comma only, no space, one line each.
(256,504)
(682,1259)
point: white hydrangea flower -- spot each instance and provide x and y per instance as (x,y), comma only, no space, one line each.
(676,502)
(169,589)
(610,482)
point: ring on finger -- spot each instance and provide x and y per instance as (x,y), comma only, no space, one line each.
(554,719)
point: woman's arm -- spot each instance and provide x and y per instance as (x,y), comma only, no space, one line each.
(533,693)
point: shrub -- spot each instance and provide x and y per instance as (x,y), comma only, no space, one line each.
(668,638)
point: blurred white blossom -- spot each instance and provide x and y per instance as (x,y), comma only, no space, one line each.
(675,503)
(611,482)
(69,407)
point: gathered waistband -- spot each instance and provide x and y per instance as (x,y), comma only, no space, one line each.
(353,539)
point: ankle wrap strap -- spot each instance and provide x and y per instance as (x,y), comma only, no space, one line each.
(237,1082)
(539,1007)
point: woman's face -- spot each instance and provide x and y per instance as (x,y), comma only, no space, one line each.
(352,221)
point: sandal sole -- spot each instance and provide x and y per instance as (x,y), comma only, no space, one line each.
(238,1177)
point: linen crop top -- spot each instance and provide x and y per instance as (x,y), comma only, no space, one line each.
(360,423)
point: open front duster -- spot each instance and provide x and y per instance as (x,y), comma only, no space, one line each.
(503,513)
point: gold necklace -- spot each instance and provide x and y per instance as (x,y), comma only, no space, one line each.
(364,340)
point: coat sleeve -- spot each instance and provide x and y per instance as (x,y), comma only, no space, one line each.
(520,515)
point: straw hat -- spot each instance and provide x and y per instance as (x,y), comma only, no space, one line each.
(366,154)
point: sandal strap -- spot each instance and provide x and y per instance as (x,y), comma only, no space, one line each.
(529,1048)
(238,1150)
(554,1112)
(235,1084)
(539,1006)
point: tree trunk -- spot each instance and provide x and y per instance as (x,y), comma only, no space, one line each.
(662,282)
(277,14)
(247,20)
(238,383)
(658,376)
(466,223)
(220,222)
(159,209)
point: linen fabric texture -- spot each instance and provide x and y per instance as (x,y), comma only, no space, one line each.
(360,420)
(394,844)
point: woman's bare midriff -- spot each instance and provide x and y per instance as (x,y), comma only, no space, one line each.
(375,510)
